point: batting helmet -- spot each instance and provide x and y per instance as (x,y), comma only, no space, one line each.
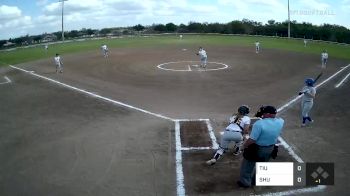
(243,110)
(309,82)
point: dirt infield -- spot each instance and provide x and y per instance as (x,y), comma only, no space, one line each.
(56,141)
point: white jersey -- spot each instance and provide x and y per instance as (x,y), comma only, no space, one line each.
(104,47)
(257,44)
(57,60)
(202,53)
(233,126)
(324,55)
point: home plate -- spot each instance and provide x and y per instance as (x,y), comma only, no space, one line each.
(184,49)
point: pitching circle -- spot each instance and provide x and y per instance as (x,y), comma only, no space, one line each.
(191,66)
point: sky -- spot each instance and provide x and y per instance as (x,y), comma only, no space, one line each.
(33,17)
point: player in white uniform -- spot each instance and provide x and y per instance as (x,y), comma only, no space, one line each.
(46,47)
(104,49)
(180,36)
(324,59)
(203,57)
(239,125)
(58,63)
(257,46)
(305,42)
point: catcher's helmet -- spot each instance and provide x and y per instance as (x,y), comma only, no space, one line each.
(243,110)
(309,82)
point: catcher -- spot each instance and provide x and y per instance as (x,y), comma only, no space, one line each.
(239,125)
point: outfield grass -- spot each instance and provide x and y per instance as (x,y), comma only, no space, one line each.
(21,55)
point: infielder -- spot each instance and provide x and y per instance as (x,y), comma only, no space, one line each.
(104,49)
(307,101)
(239,125)
(324,59)
(58,63)
(203,57)
(257,46)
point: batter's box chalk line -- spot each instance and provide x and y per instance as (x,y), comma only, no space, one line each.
(179,168)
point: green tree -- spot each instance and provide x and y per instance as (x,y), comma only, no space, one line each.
(138,27)
(170,27)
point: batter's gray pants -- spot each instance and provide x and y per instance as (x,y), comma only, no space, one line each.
(306,107)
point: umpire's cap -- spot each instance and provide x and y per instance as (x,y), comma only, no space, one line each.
(269,109)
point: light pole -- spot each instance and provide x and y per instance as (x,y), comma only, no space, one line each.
(62,17)
(288,20)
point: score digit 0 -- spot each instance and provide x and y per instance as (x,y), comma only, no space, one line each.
(299,174)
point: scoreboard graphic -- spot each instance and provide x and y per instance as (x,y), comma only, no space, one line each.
(294,174)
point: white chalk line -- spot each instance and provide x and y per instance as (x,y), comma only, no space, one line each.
(342,81)
(93,94)
(317,86)
(283,142)
(291,151)
(180,187)
(161,66)
(195,148)
(7,80)
(215,145)
(293,154)
(179,169)
(191,120)
(319,188)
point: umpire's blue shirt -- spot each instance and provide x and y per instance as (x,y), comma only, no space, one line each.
(266,131)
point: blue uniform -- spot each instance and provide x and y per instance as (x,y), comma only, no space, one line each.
(265,133)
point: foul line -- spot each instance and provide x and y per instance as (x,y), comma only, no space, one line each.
(7,80)
(180,188)
(283,142)
(317,86)
(93,94)
(341,82)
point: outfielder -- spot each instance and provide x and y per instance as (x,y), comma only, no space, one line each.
(307,101)
(324,59)
(58,63)
(257,46)
(305,42)
(203,57)
(239,125)
(104,49)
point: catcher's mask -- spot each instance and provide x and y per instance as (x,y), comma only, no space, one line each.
(243,110)
(309,82)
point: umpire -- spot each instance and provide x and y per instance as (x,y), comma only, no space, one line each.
(263,136)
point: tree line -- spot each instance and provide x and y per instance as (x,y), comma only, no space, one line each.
(325,32)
